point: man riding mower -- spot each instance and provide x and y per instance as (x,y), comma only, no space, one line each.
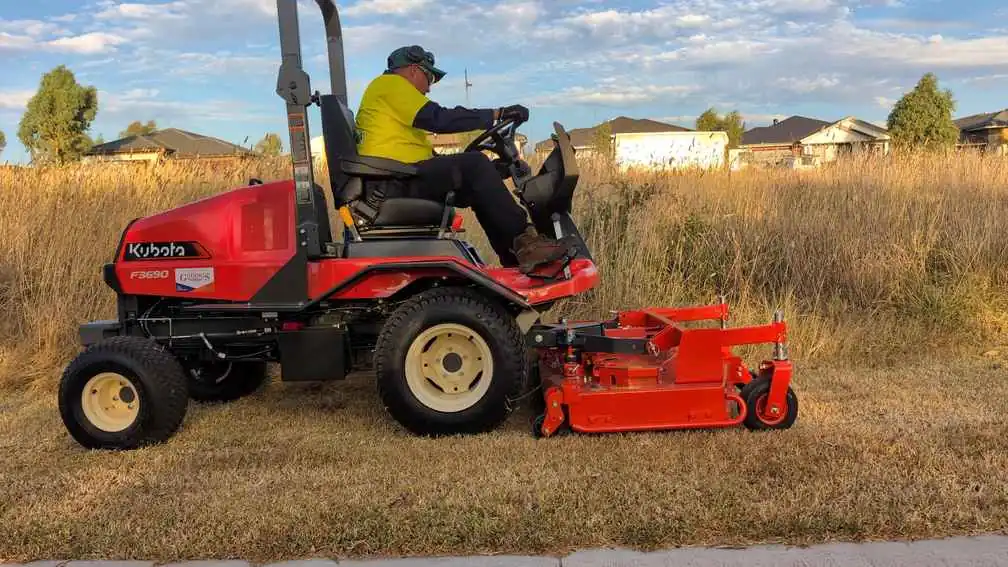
(208,294)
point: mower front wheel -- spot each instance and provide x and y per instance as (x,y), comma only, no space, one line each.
(758,418)
(448,361)
(123,393)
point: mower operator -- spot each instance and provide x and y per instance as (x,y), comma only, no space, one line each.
(393,115)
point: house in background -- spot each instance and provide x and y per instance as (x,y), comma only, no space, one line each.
(799,141)
(170,143)
(648,144)
(985,131)
(583,139)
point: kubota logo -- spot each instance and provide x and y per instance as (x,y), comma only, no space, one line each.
(157,250)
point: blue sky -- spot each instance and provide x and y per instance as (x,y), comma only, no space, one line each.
(210,65)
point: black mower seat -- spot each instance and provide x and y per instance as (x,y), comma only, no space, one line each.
(405,211)
(377,168)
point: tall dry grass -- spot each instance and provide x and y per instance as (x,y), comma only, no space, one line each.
(878,256)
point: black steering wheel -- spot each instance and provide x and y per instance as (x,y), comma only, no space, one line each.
(500,139)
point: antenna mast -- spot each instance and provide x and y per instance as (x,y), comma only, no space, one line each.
(467,86)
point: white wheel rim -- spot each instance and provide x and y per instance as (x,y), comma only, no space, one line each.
(449,367)
(110,402)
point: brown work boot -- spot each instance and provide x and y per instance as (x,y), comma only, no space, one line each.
(533,249)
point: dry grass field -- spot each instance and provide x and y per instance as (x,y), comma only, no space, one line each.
(893,275)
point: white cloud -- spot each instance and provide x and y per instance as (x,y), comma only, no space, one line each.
(884,101)
(30,28)
(615,93)
(86,44)
(806,85)
(384,7)
(143,11)
(15,42)
(126,106)
(14,100)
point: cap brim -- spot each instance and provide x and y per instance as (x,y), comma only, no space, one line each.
(438,73)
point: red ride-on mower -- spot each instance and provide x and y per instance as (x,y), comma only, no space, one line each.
(212,292)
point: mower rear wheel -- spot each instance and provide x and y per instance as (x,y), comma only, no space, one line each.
(225,381)
(123,393)
(448,361)
(757,418)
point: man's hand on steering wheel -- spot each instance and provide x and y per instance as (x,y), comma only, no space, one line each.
(515,112)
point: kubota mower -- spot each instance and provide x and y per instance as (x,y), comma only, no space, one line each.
(210,293)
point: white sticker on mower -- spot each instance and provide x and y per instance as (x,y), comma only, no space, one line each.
(192,279)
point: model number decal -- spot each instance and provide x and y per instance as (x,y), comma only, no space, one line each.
(160,250)
(149,275)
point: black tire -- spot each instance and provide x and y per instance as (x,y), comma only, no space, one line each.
(225,381)
(537,423)
(483,318)
(760,388)
(154,378)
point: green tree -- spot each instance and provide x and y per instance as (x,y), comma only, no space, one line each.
(269,145)
(56,121)
(923,117)
(731,123)
(99,140)
(709,121)
(137,128)
(3,142)
(735,127)
(603,143)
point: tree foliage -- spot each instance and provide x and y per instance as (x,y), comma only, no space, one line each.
(602,141)
(731,123)
(137,128)
(3,142)
(269,145)
(923,117)
(55,124)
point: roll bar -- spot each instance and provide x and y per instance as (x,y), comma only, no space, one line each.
(294,86)
(334,40)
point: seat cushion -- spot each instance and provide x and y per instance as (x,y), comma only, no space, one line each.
(404,211)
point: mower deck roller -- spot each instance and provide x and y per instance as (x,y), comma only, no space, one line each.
(645,370)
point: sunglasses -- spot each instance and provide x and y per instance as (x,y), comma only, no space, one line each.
(418,55)
(428,74)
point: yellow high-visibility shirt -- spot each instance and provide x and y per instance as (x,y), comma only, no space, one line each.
(385,121)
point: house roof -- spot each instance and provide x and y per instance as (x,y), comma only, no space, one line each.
(787,131)
(581,137)
(981,121)
(175,142)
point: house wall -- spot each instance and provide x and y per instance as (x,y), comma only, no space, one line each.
(833,142)
(671,150)
(150,156)
(993,140)
(768,155)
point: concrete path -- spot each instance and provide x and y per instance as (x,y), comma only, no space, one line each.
(981,551)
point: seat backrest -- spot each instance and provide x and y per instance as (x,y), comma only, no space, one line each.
(340,134)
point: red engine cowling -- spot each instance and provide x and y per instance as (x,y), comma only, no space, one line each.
(222,247)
